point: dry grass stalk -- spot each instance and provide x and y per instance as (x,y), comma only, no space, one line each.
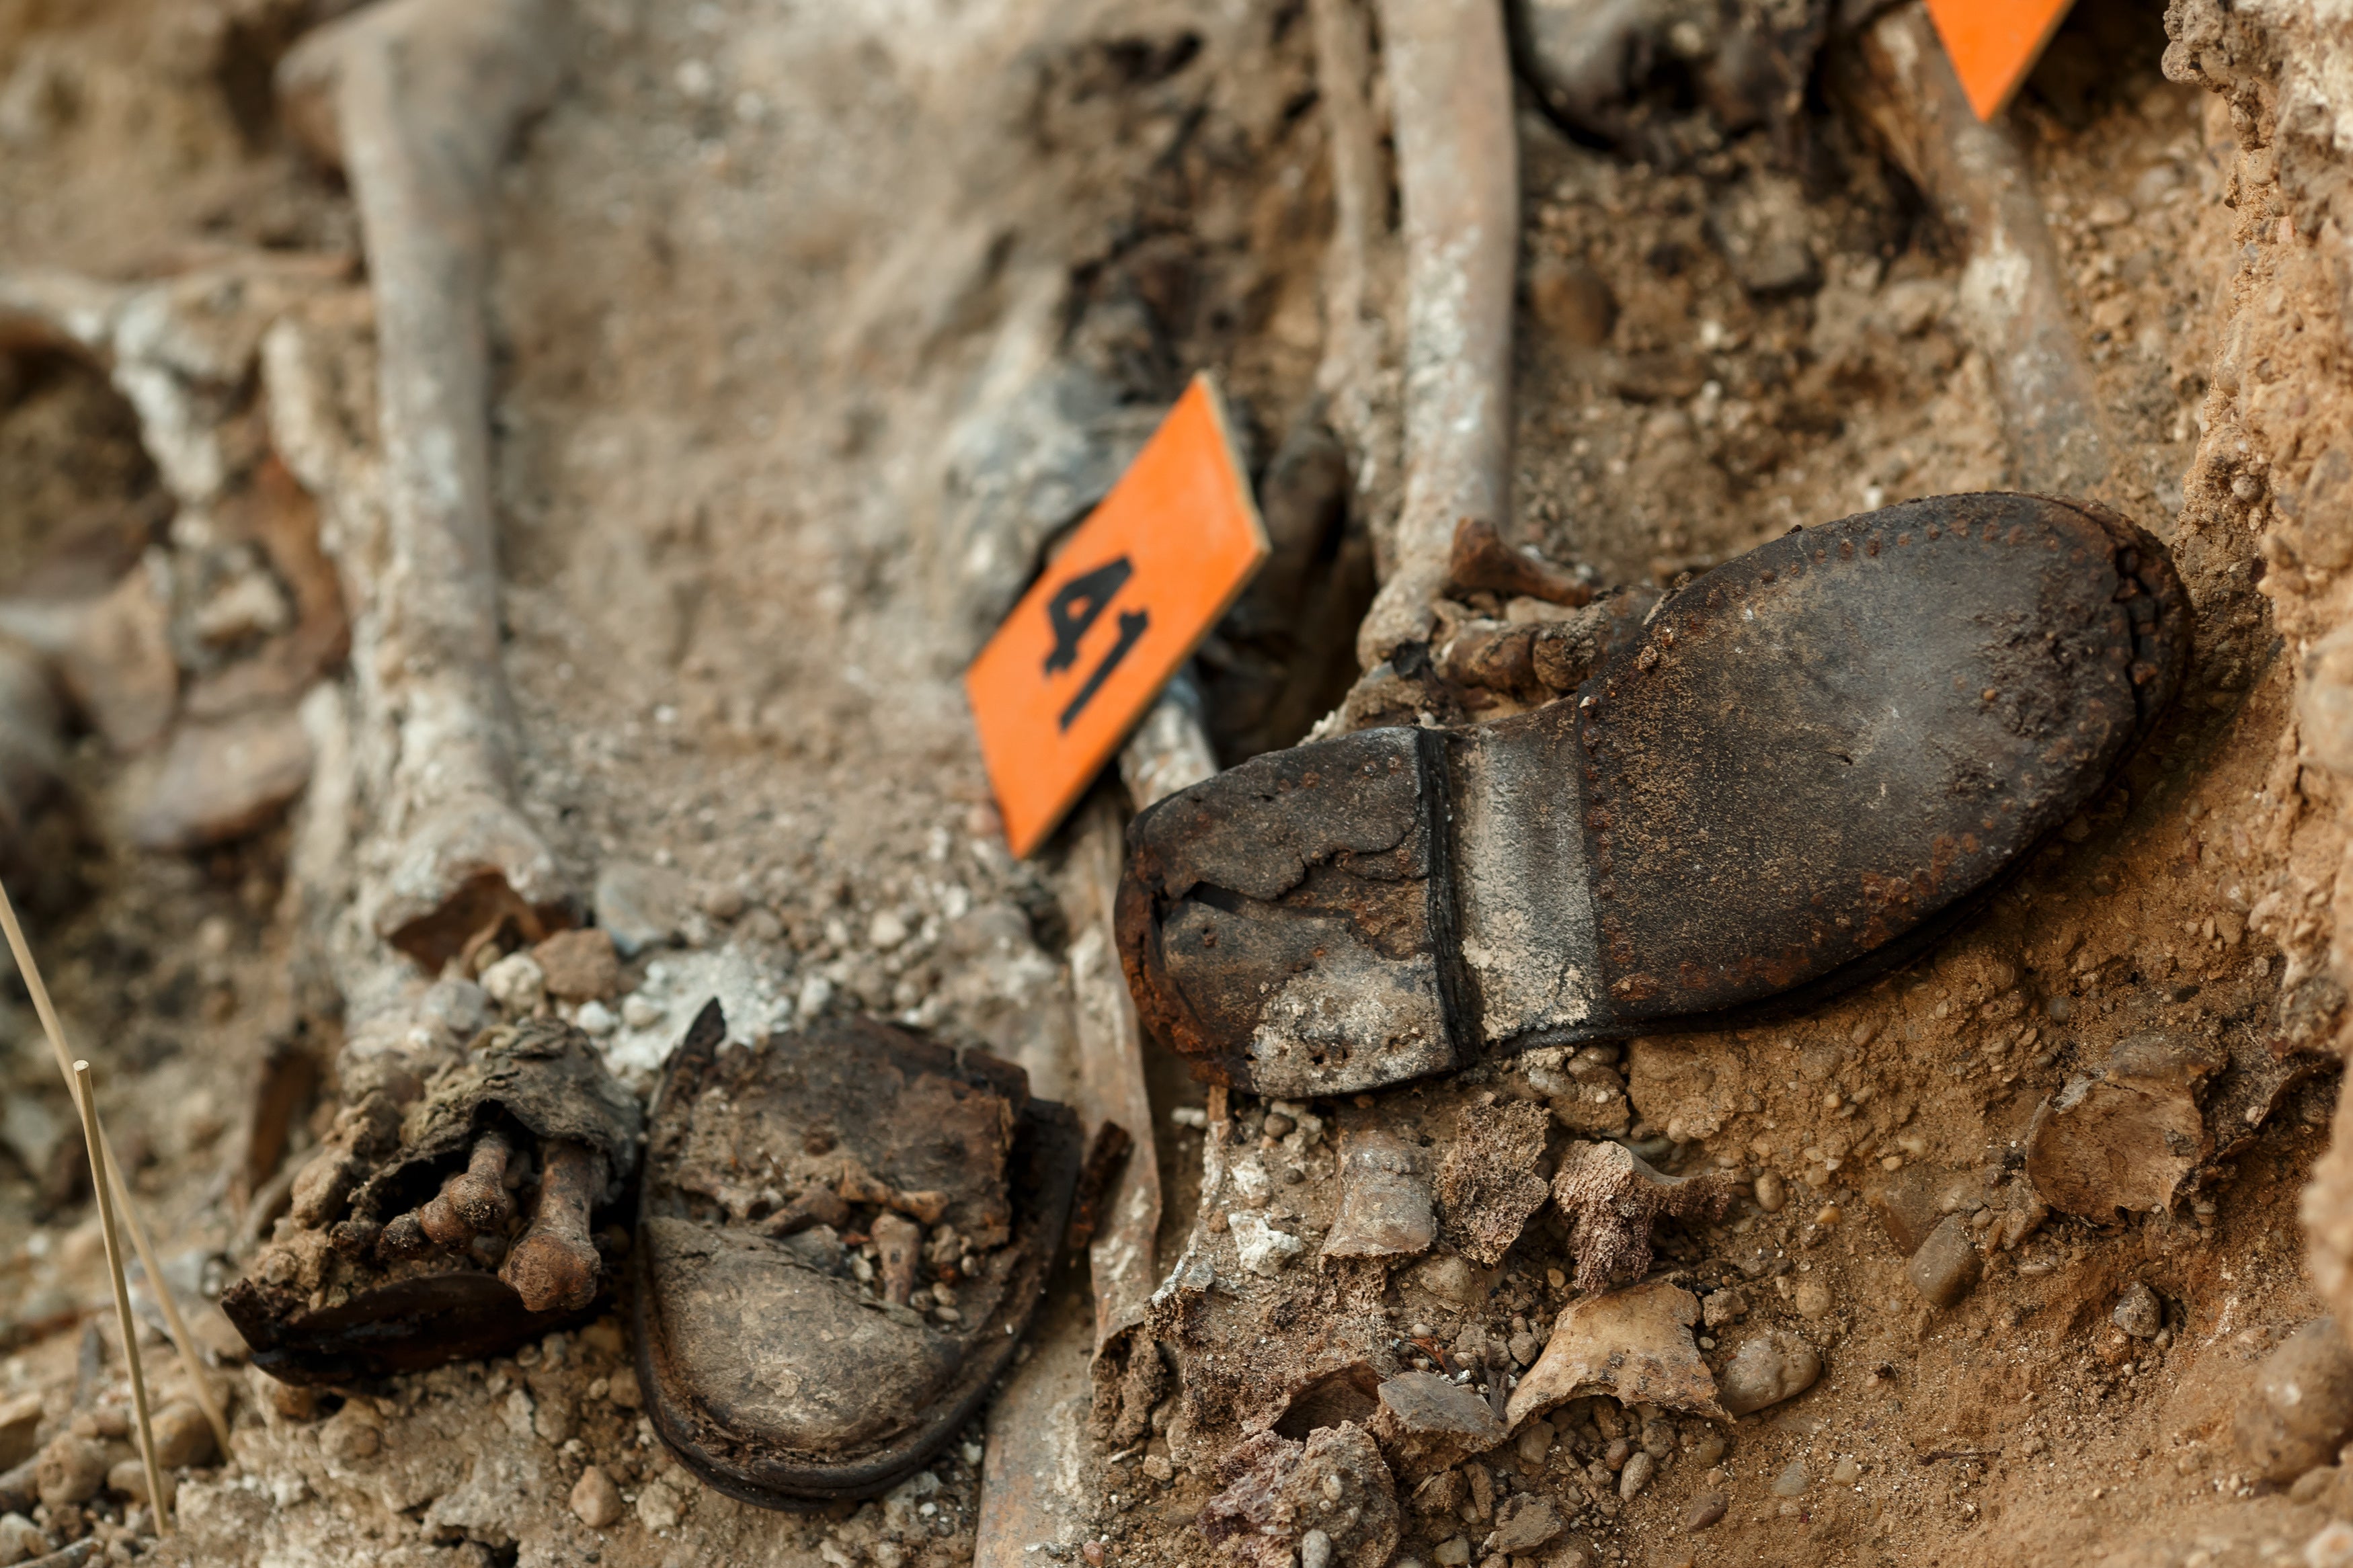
(86,1095)
(199,1387)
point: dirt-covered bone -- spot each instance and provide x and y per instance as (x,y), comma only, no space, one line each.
(1458,180)
(898,1244)
(418,100)
(431,1288)
(1613,1196)
(1487,1185)
(2013,294)
(1480,562)
(554,1267)
(474,1199)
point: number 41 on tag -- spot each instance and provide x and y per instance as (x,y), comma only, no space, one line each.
(1122,605)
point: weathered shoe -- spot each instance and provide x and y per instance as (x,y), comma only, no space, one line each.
(1803,767)
(842,1235)
(455,1225)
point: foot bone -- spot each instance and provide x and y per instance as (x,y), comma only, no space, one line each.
(474,1200)
(554,1267)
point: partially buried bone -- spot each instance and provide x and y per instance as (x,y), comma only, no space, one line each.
(554,1267)
(1614,1196)
(2013,296)
(474,1200)
(899,1244)
(418,100)
(1458,180)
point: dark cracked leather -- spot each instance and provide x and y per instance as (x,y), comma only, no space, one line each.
(1806,763)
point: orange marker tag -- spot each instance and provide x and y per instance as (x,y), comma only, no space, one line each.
(1088,647)
(1994,43)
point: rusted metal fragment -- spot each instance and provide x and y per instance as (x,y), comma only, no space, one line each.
(1277,1492)
(1487,1184)
(1613,1196)
(2123,1139)
(1634,1345)
(1385,1199)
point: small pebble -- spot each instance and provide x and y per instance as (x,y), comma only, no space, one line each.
(596,1499)
(1846,1472)
(2330,1547)
(517,985)
(1706,1510)
(1771,1367)
(623,1391)
(596,1020)
(1315,1549)
(2299,1406)
(1771,1192)
(1813,1300)
(128,1478)
(1944,1270)
(658,1507)
(1636,1475)
(1453,1553)
(2139,1312)
(183,1435)
(1792,1480)
(640,1013)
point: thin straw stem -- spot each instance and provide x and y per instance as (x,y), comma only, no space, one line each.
(199,1387)
(86,1091)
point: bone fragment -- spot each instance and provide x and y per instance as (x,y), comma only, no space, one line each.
(2013,302)
(817,1206)
(899,1244)
(1480,560)
(1458,175)
(1634,1345)
(554,1266)
(1613,1196)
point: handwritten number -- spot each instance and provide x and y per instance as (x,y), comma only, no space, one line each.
(1078,605)
(1130,631)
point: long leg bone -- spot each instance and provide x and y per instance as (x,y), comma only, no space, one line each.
(1458,175)
(554,1266)
(2014,305)
(419,100)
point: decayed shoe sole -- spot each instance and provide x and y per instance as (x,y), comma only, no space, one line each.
(700,1420)
(1811,763)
